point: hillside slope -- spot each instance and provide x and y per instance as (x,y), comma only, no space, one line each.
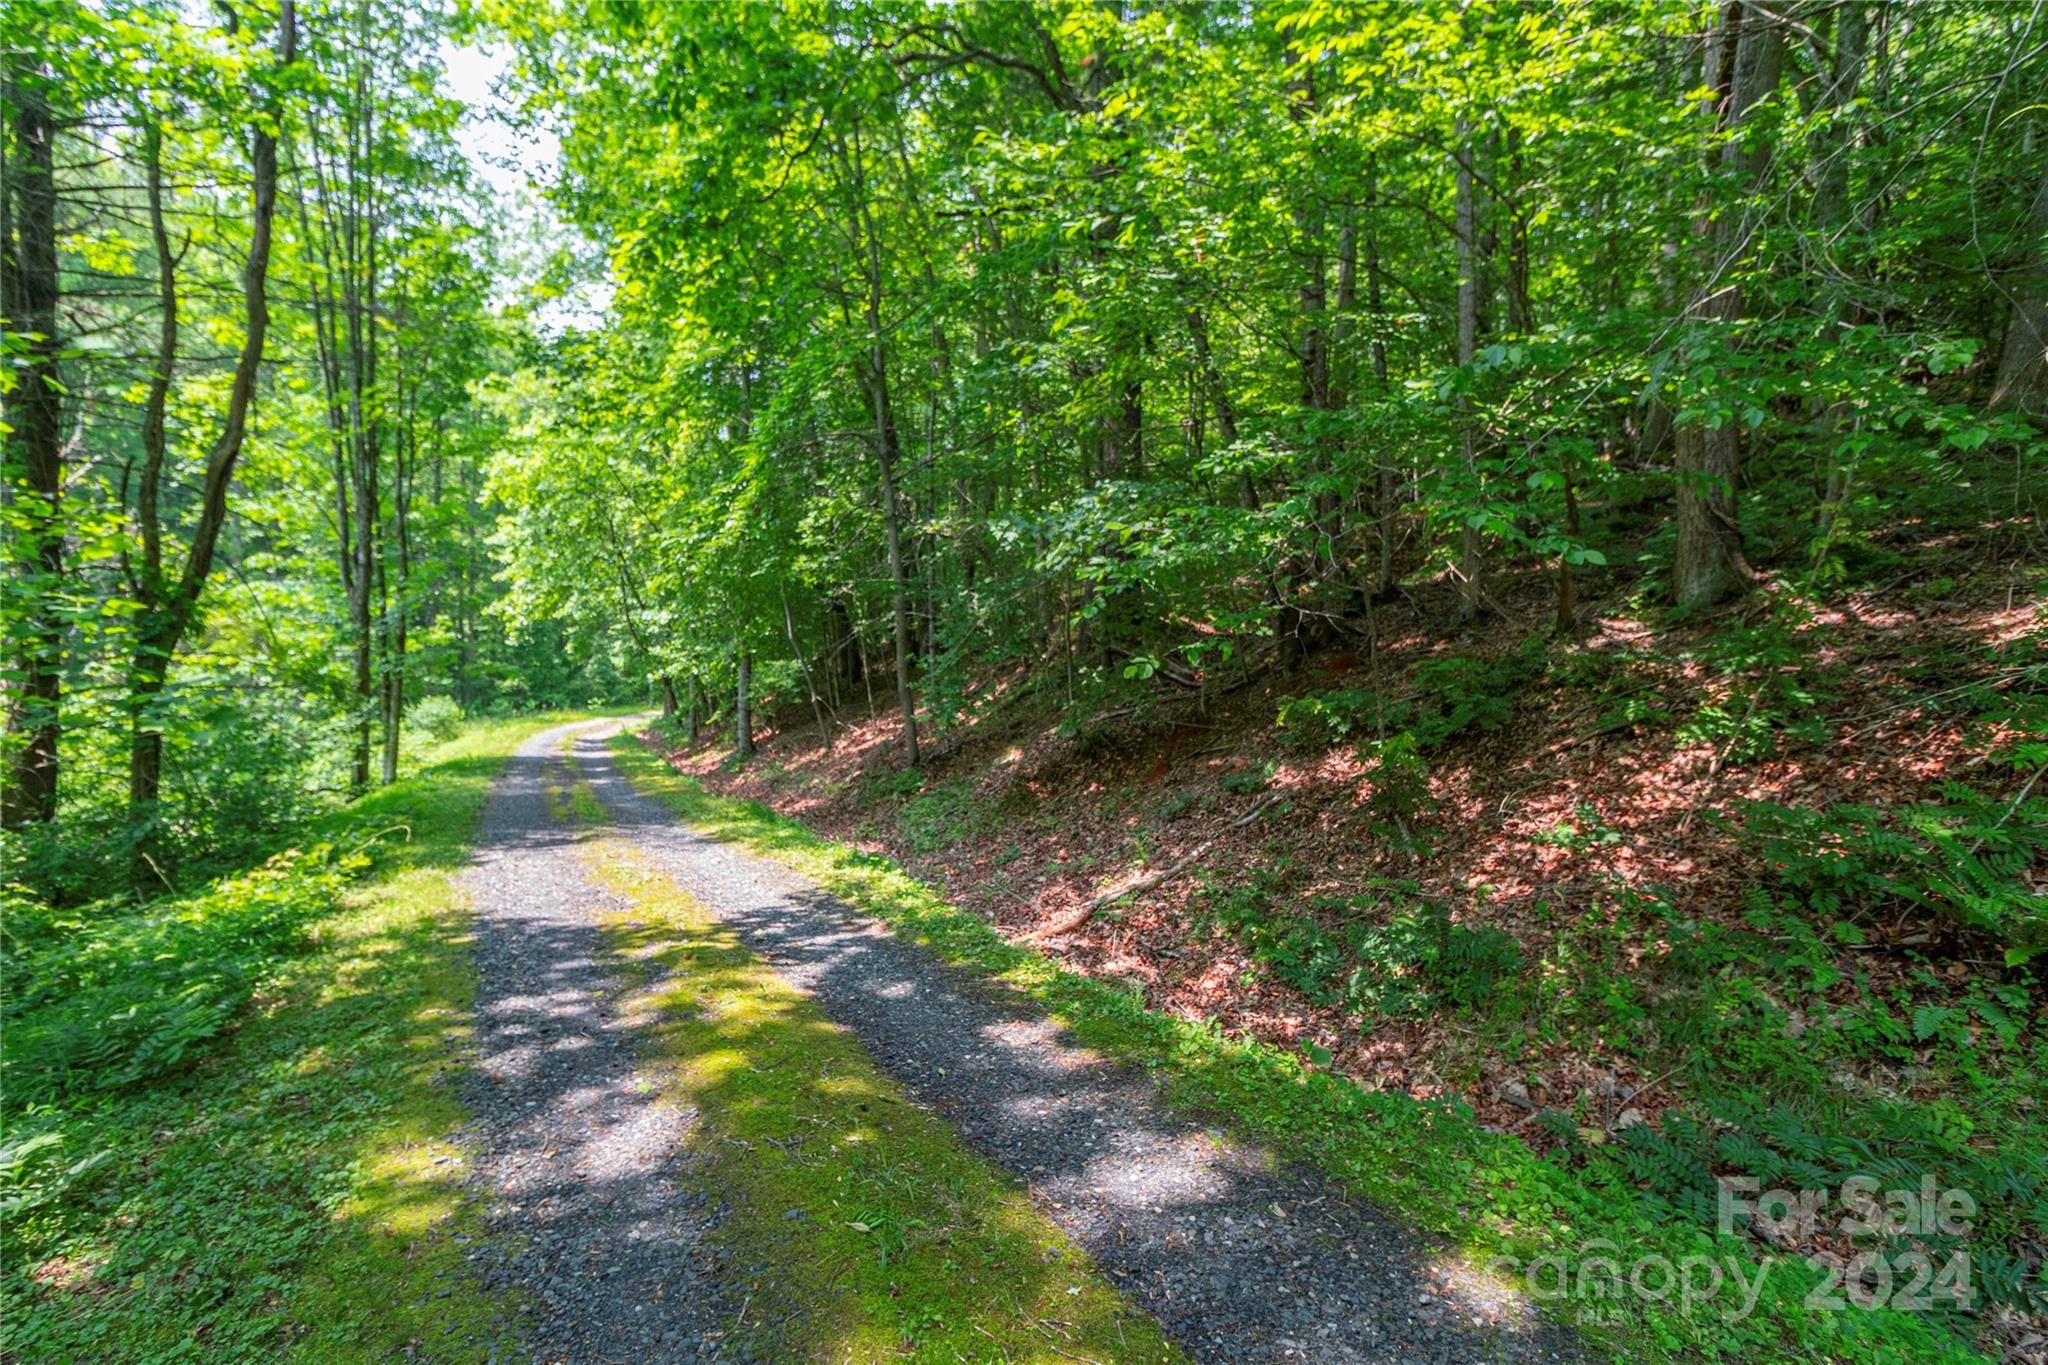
(1747,895)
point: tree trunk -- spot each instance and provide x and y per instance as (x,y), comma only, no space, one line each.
(845,672)
(2023,365)
(1567,583)
(803,662)
(34,466)
(398,613)
(1744,60)
(148,670)
(887,450)
(743,705)
(1836,245)
(892,530)
(1387,492)
(1469,588)
(168,612)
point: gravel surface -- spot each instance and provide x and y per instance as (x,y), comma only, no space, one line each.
(1239,1256)
(578,1159)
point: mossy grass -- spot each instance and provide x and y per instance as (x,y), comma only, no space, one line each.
(291,1191)
(862,1226)
(1506,1205)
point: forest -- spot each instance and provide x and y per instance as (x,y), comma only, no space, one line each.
(1454,591)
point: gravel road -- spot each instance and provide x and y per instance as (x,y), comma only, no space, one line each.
(1241,1258)
(578,1161)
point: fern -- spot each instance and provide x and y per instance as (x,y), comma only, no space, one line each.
(1971,858)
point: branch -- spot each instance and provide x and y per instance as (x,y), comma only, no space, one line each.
(1201,851)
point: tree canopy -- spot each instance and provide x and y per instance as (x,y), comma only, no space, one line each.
(1142,347)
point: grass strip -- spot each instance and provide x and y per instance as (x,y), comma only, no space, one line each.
(872,1230)
(1508,1207)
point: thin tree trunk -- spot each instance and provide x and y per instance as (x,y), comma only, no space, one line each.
(2022,383)
(1388,490)
(887,451)
(400,606)
(34,466)
(1744,61)
(168,612)
(1567,582)
(743,705)
(804,663)
(892,530)
(150,661)
(1469,588)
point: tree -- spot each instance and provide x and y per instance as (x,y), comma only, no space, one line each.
(1743,58)
(169,597)
(34,453)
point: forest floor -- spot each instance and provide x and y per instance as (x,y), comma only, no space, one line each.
(1587,818)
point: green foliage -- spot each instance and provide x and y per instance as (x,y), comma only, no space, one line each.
(1901,1145)
(1774,687)
(1321,719)
(1452,696)
(1250,780)
(1336,954)
(1460,695)
(1969,857)
(938,817)
(439,718)
(100,1000)
(226,1125)
(1431,1161)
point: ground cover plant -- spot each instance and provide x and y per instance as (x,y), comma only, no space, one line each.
(1431,1160)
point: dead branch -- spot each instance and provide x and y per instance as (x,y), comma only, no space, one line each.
(1201,851)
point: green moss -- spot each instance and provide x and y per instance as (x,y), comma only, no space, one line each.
(1490,1192)
(878,1232)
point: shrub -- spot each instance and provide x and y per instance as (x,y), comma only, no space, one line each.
(1454,696)
(1415,961)
(100,1000)
(438,718)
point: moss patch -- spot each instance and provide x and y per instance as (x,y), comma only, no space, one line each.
(875,1231)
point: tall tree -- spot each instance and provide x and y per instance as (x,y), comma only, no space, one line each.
(169,596)
(33,466)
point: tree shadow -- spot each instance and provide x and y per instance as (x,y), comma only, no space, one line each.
(1239,1255)
(582,1159)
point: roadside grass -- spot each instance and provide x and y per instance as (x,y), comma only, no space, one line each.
(1505,1204)
(875,1232)
(278,1183)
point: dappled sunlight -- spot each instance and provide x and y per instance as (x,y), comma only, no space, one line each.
(885,1233)
(1133,1181)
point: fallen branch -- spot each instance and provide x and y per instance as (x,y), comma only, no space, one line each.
(1201,851)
